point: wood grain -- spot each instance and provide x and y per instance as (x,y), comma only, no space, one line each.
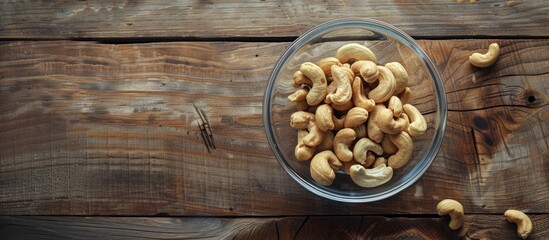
(270,19)
(312,227)
(107,129)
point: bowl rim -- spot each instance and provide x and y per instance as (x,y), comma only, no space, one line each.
(440,94)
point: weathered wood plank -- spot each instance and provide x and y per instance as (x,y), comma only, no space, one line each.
(99,129)
(313,227)
(175,19)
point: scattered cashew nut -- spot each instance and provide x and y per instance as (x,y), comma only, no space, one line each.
(454,209)
(487,59)
(323,165)
(370,177)
(524,224)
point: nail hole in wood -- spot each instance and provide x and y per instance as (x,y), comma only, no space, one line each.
(531,99)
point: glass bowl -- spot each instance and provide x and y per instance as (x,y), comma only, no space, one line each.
(389,44)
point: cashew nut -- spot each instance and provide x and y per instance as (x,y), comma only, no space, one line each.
(323,117)
(362,147)
(326,64)
(318,90)
(395,105)
(487,59)
(359,98)
(387,123)
(356,116)
(343,92)
(303,152)
(360,131)
(370,177)
(300,79)
(401,76)
(386,87)
(301,119)
(374,132)
(315,136)
(322,167)
(366,69)
(379,161)
(418,125)
(454,209)
(354,52)
(299,95)
(327,143)
(342,141)
(524,224)
(349,72)
(405,149)
(388,146)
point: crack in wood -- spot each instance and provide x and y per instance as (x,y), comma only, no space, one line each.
(205,130)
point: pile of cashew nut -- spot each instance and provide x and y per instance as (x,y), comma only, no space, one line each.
(355,115)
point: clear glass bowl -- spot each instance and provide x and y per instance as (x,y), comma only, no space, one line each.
(388,44)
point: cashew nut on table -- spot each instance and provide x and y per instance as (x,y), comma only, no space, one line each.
(354,116)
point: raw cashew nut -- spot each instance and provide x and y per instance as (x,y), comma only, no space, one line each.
(318,90)
(370,177)
(362,147)
(301,119)
(354,52)
(315,136)
(343,92)
(300,79)
(327,143)
(366,69)
(349,72)
(401,76)
(405,149)
(299,95)
(387,123)
(386,86)
(379,161)
(388,146)
(395,105)
(326,64)
(323,117)
(418,125)
(359,98)
(487,59)
(454,209)
(322,167)
(374,132)
(524,224)
(342,141)
(303,152)
(356,116)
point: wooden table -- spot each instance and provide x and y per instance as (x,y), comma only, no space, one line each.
(100,139)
